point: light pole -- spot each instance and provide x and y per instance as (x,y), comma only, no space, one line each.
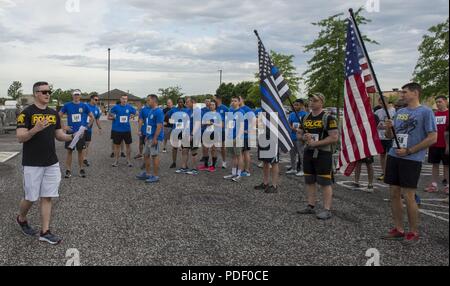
(220,81)
(109,75)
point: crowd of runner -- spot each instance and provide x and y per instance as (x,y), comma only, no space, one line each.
(314,132)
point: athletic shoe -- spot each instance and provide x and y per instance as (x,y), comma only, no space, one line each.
(445,190)
(237,179)
(212,169)
(138,156)
(224,165)
(86,163)
(50,238)
(123,155)
(173,166)
(324,215)
(271,190)
(411,238)
(291,172)
(300,174)
(182,171)
(229,177)
(245,174)
(68,174)
(394,234)
(203,168)
(143,176)
(260,164)
(152,179)
(261,187)
(82,173)
(432,188)
(381,177)
(164,150)
(369,189)
(308,210)
(129,164)
(26,228)
(112,155)
(289,167)
(115,164)
(192,172)
(356,185)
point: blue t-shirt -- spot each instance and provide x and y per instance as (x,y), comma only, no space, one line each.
(233,124)
(143,115)
(121,122)
(96,112)
(293,119)
(258,111)
(204,111)
(250,114)
(155,117)
(412,127)
(222,109)
(77,115)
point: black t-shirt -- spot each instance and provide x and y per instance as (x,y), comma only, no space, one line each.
(40,150)
(166,118)
(314,125)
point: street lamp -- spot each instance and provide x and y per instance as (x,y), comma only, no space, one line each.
(220,81)
(109,75)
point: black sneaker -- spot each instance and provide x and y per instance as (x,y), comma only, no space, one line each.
(68,174)
(112,155)
(82,173)
(123,155)
(26,228)
(50,238)
(261,187)
(173,166)
(308,210)
(271,190)
(86,163)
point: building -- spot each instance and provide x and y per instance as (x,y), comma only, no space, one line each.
(115,96)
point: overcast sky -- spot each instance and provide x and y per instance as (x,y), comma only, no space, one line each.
(172,42)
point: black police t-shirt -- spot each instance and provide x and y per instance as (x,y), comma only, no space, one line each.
(314,125)
(40,150)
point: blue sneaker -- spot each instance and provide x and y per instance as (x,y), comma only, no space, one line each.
(143,176)
(182,171)
(245,174)
(152,179)
(192,172)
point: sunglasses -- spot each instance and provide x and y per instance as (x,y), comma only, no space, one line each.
(45,92)
(95,99)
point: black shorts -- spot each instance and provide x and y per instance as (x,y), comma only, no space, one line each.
(142,140)
(118,137)
(112,137)
(191,147)
(246,145)
(272,160)
(403,173)
(88,136)
(387,145)
(318,170)
(81,144)
(368,160)
(437,155)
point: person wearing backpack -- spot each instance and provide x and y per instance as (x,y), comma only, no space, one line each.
(320,133)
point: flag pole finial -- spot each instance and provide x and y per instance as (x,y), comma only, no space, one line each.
(350,10)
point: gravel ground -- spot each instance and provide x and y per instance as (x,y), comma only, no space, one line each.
(113,219)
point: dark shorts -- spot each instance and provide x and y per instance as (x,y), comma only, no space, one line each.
(142,140)
(81,144)
(191,147)
(112,137)
(88,136)
(403,173)
(246,145)
(368,160)
(273,160)
(119,137)
(437,155)
(387,145)
(318,170)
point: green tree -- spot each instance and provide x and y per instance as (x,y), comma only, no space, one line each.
(15,90)
(225,90)
(242,89)
(431,70)
(325,72)
(172,92)
(61,96)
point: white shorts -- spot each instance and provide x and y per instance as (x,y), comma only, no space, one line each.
(41,182)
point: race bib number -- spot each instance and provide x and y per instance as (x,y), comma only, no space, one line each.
(231,124)
(179,125)
(76,118)
(123,119)
(149,129)
(88,119)
(441,120)
(171,121)
(296,125)
(315,137)
(402,140)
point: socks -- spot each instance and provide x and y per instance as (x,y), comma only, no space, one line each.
(233,171)
(214,161)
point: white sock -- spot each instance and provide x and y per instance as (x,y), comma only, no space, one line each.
(239,172)
(233,171)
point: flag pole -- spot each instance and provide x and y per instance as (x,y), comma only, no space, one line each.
(377,84)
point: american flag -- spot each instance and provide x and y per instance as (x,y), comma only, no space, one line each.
(274,90)
(359,133)
(362,59)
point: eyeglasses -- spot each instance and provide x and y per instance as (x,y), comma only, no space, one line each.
(45,92)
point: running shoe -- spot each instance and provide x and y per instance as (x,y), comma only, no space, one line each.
(49,238)
(182,171)
(394,234)
(271,190)
(192,172)
(123,155)
(143,176)
(261,187)
(26,228)
(164,150)
(224,165)
(212,169)
(86,163)
(82,173)
(381,177)
(68,174)
(291,172)
(260,164)
(306,211)
(203,168)
(138,156)
(369,189)
(324,215)
(411,238)
(152,180)
(245,174)
(229,177)
(237,179)
(300,174)
(432,188)
(115,164)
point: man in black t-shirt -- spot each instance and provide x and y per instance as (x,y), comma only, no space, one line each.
(168,126)
(37,128)
(320,133)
